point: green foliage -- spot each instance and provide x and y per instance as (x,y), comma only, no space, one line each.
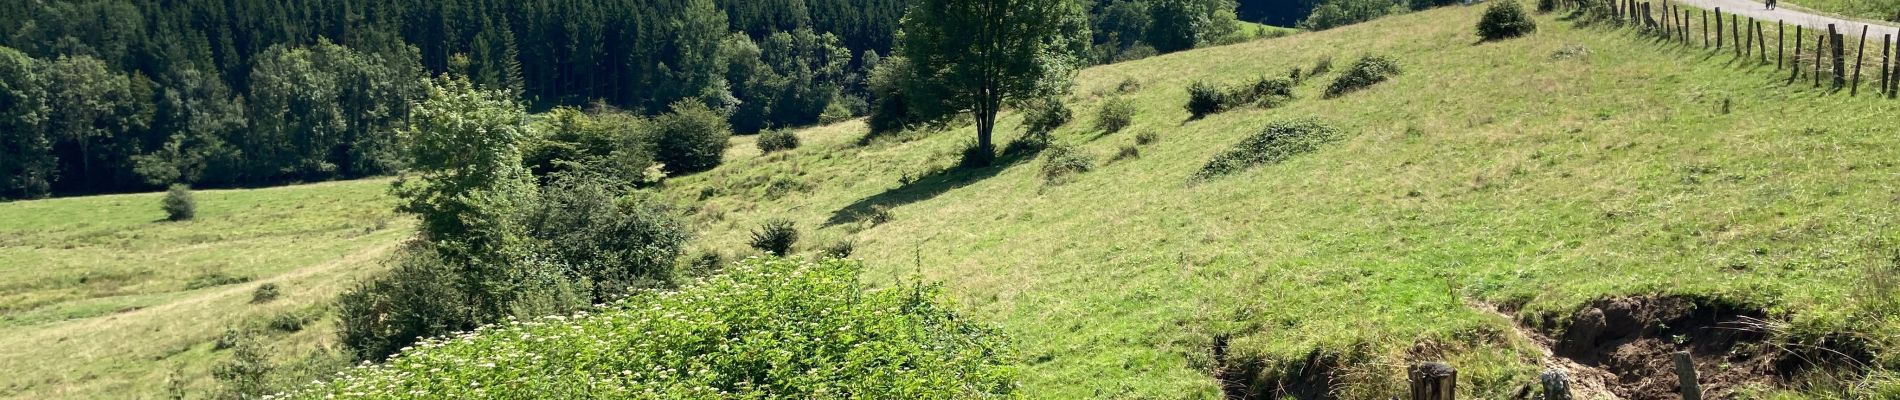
(421,297)
(1026,49)
(265,293)
(1185,24)
(27,169)
(768,328)
(1279,141)
(1147,137)
(1367,71)
(1336,13)
(777,140)
(1505,19)
(1322,66)
(466,178)
(179,205)
(776,237)
(327,111)
(1544,6)
(1044,115)
(839,249)
(1115,114)
(615,242)
(1062,161)
(609,143)
(247,373)
(290,321)
(1205,98)
(691,138)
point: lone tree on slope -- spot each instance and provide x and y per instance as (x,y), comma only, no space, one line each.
(973,56)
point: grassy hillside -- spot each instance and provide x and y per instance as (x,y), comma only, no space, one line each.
(1876,10)
(100,297)
(1538,175)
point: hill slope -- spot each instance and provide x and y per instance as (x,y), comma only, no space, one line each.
(1539,174)
(102,298)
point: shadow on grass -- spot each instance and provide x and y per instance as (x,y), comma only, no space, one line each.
(932,185)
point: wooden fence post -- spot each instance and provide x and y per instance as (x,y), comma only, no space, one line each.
(1840,60)
(1820,55)
(1781,39)
(1686,377)
(1794,64)
(1556,384)
(1748,45)
(1735,31)
(1434,381)
(1886,43)
(1705,25)
(1761,43)
(1860,57)
(1718,28)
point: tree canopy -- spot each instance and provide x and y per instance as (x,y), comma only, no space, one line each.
(973,56)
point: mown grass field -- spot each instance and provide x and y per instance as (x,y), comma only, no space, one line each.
(1539,173)
(102,298)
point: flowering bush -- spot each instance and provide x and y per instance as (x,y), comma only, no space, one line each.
(768,328)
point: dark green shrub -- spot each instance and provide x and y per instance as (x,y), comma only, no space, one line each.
(704,263)
(1295,75)
(1146,138)
(1045,115)
(247,373)
(264,293)
(769,327)
(691,138)
(1204,99)
(1127,152)
(777,140)
(290,320)
(839,249)
(1367,71)
(1277,142)
(419,298)
(588,230)
(1116,113)
(776,237)
(178,204)
(1505,19)
(1264,92)
(975,156)
(1544,6)
(1061,161)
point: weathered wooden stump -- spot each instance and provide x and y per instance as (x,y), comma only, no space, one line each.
(1434,381)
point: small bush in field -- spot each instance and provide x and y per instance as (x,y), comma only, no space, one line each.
(1127,152)
(1277,142)
(1116,114)
(1368,71)
(1205,98)
(766,328)
(1505,19)
(264,293)
(1544,6)
(777,140)
(776,237)
(1060,161)
(1045,115)
(1146,138)
(178,204)
(839,249)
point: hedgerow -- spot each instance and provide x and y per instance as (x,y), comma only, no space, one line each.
(767,328)
(1277,142)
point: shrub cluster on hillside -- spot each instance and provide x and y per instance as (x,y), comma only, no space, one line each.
(1205,98)
(1277,142)
(1061,161)
(1505,19)
(1367,71)
(767,328)
(179,205)
(1116,113)
(777,140)
(776,237)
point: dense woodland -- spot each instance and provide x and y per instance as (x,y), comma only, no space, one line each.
(123,95)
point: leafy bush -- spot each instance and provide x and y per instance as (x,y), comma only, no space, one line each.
(589,231)
(419,298)
(247,373)
(703,263)
(1505,19)
(1205,98)
(264,293)
(178,204)
(1061,161)
(691,138)
(290,320)
(776,237)
(1045,115)
(975,156)
(1277,142)
(1544,6)
(1368,71)
(777,140)
(1116,113)
(1127,152)
(768,328)
(839,249)
(1146,138)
